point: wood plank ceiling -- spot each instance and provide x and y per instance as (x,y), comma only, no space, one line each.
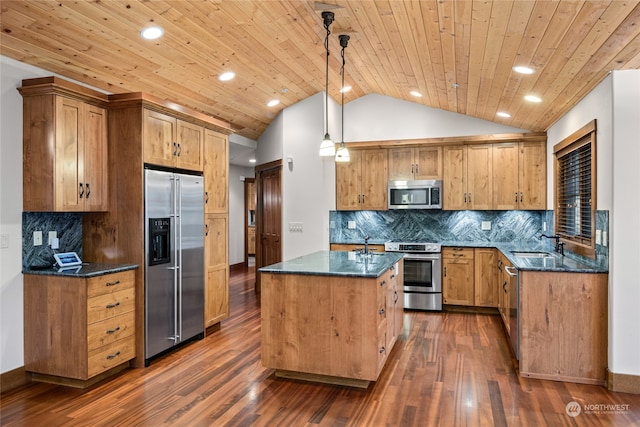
(458,54)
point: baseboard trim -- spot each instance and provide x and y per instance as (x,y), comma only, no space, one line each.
(623,383)
(13,379)
(237,267)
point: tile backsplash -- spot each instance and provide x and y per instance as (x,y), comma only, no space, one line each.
(69,230)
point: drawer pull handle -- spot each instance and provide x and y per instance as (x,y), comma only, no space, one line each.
(114,305)
(88,190)
(395,297)
(112,283)
(81,190)
(382,350)
(113,356)
(112,331)
(393,276)
(384,282)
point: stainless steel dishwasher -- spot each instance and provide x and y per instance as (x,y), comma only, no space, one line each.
(514,308)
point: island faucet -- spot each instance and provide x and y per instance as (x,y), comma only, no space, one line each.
(559,245)
(366,245)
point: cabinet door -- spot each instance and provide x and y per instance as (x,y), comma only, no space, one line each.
(159,139)
(428,163)
(401,164)
(479,184)
(454,178)
(216,176)
(505,176)
(190,153)
(348,183)
(533,175)
(216,305)
(374,179)
(486,276)
(69,155)
(457,278)
(96,163)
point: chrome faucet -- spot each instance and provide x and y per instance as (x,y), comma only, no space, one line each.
(366,245)
(559,245)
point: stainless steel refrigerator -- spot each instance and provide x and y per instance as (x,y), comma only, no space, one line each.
(174,256)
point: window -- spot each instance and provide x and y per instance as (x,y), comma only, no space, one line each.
(575,183)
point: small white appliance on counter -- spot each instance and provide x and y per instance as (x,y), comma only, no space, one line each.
(422,273)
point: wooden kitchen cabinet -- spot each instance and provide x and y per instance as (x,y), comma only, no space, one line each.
(216,172)
(504,292)
(519,175)
(352,247)
(361,184)
(251,240)
(415,163)
(65,155)
(216,292)
(458,276)
(467,177)
(172,142)
(485,277)
(77,330)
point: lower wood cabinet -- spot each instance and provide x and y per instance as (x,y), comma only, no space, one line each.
(354,247)
(457,276)
(485,277)
(78,328)
(216,288)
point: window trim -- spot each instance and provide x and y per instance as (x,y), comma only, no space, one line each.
(569,144)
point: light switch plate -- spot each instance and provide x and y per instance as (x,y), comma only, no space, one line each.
(52,235)
(4,240)
(351,225)
(598,237)
(37,238)
(486,225)
(604,239)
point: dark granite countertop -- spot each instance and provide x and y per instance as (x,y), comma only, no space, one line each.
(337,263)
(82,271)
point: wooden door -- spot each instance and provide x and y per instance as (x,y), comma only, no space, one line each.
(348,181)
(159,139)
(268,216)
(428,163)
(216,293)
(485,277)
(373,170)
(216,172)
(479,184)
(190,153)
(505,176)
(454,181)
(533,175)
(401,163)
(69,162)
(95,171)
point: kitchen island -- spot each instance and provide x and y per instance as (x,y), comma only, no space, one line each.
(331,316)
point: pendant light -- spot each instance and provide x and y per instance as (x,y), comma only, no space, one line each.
(342,155)
(327,147)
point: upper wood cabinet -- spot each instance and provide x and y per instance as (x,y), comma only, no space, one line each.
(467,177)
(65,157)
(361,184)
(519,175)
(216,172)
(407,163)
(172,142)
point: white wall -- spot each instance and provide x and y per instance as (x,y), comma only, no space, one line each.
(615,103)
(236,212)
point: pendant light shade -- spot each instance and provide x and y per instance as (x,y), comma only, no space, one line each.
(327,147)
(342,155)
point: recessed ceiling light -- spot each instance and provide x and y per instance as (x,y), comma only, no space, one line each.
(523,70)
(273,103)
(415,93)
(151,33)
(532,98)
(226,76)
(503,114)
(345,89)
(252,160)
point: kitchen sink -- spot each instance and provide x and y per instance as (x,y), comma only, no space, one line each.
(531,254)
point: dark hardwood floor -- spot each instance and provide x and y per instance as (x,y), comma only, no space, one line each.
(449,369)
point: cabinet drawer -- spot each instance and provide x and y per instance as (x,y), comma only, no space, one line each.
(382,345)
(108,356)
(109,305)
(110,330)
(457,253)
(110,283)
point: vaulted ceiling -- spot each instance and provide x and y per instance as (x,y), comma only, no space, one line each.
(458,54)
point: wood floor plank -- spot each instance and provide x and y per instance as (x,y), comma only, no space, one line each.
(447,369)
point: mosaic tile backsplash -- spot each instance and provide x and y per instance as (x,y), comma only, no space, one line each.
(68,227)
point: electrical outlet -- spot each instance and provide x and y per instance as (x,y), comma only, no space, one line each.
(598,237)
(604,239)
(544,226)
(52,235)
(4,240)
(351,225)
(486,225)
(37,238)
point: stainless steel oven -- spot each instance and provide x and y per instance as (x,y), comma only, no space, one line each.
(422,274)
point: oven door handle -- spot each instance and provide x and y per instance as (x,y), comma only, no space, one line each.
(422,257)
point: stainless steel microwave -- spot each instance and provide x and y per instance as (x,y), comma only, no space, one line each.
(422,194)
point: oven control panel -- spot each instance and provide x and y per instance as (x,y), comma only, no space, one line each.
(414,247)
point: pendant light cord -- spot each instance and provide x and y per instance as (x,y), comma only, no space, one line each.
(327,19)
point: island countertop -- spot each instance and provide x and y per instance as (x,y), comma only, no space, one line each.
(337,263)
